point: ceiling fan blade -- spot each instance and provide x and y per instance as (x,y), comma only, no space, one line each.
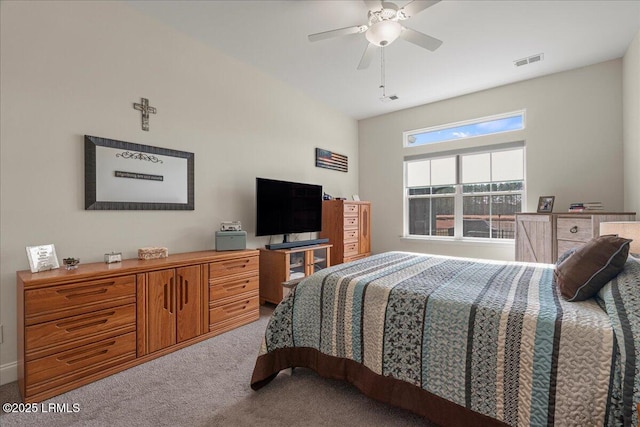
(336,33)
(415,7)
(373,4)
(367,56)
(420,39)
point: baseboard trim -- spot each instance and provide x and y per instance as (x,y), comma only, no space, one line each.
(8,373)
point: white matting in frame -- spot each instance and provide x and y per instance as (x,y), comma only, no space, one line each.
(42,258)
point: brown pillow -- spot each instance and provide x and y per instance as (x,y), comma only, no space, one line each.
(565,255)
(591,266)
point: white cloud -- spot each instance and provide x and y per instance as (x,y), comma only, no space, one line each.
(461,134)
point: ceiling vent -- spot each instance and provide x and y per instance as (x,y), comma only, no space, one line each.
(530,60)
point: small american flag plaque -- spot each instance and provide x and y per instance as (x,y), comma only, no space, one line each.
(330,160)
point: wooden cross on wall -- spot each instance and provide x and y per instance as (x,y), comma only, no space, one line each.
(146,109)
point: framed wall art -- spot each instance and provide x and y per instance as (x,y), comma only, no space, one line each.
(330,160)
(121,175)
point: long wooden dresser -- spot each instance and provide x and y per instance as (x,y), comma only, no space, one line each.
(77,326)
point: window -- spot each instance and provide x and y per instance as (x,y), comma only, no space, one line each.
(467,129)
(465,195)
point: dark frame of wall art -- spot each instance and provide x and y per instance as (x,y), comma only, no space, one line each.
(121,175)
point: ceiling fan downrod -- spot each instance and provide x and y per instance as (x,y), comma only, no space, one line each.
(384,97)
(382,82)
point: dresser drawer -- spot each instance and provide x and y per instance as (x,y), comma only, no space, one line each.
(355,257)
(60,368)
(579,229)
(68,300)
(234,322)
(97,325)
(238,307)
(233,266)
(565,245)
(350,249)
(350,209)
(351,235)
(350,222)
(232,287)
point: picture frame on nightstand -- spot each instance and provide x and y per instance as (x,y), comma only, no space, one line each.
(545,204)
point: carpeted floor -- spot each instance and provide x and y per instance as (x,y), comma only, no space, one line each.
(207,384)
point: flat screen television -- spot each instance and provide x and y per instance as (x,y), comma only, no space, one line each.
(284,207)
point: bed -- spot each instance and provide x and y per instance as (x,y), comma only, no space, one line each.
(465,342)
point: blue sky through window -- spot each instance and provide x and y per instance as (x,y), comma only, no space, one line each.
(488,127)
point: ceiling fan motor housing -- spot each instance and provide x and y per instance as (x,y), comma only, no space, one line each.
(389,12)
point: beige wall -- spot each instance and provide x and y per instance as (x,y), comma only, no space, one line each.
(631,125)
(75,68)
(574,149)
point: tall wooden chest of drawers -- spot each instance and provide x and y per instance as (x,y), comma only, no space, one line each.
(77,326)
(543,237)
(347,225)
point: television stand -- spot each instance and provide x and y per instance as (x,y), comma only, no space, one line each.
(278,267)
(296,244)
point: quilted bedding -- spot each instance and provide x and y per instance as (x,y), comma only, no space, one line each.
(465,341)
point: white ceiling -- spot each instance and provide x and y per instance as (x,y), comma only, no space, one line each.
(481,41)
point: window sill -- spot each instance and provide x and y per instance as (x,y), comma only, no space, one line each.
(465,241)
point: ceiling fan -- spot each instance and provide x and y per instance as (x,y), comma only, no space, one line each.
(383,28)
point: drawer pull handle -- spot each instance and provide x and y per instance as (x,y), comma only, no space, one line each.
(84,291)
(87,325)
(240,286)
(85,354)
(74,325)
(237,307)
(574,229)
(236,264)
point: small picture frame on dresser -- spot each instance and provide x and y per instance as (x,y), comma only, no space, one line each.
(545,204)
(42,258)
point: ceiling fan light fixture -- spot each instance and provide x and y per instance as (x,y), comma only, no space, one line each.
(383,33)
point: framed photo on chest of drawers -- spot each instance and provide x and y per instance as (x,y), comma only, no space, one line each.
(77,326)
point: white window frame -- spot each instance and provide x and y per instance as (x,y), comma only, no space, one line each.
(407,134)
(458,195)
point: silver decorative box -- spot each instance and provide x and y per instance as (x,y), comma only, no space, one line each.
(113,257)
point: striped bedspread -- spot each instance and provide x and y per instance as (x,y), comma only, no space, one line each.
(495,338)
